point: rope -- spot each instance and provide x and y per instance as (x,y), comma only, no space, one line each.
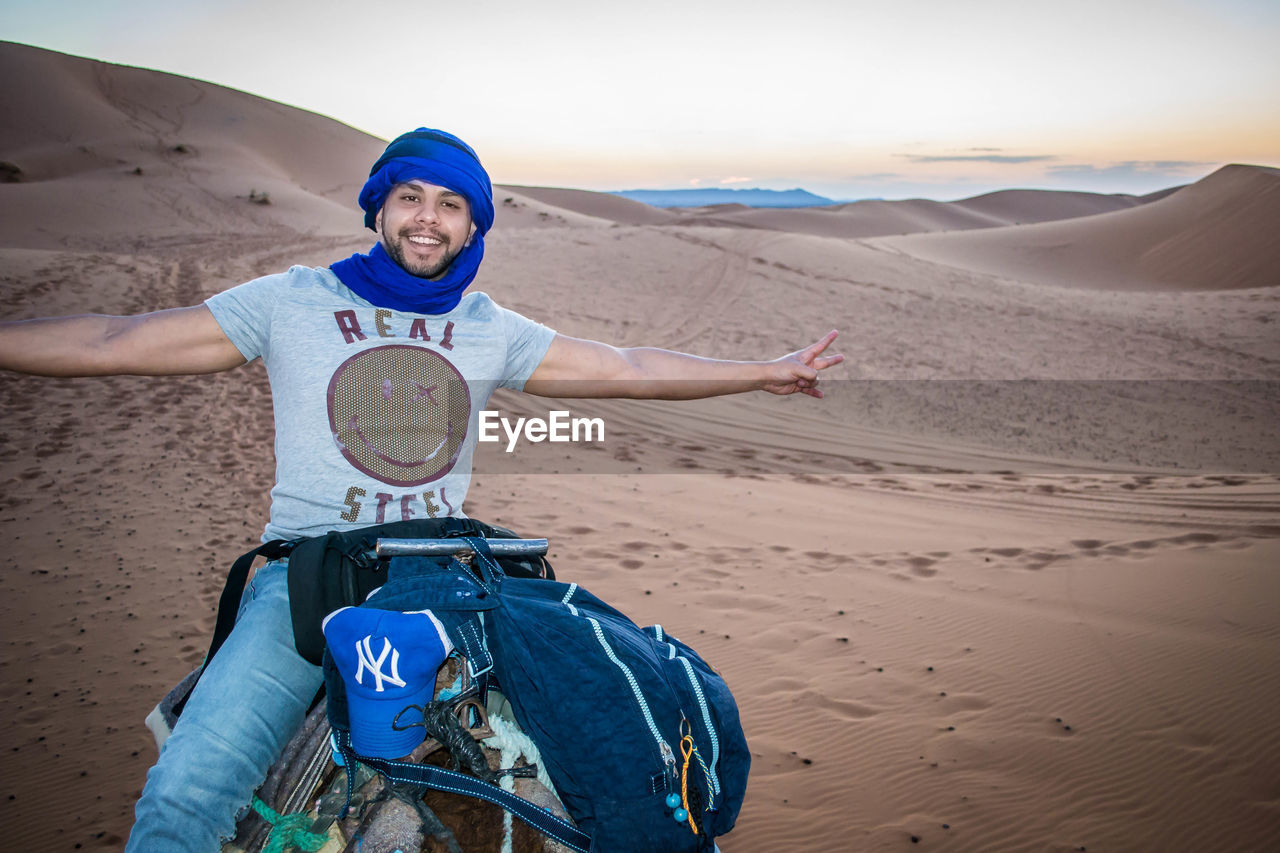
(711,793)
(688,749)
(288,830)
(512,743)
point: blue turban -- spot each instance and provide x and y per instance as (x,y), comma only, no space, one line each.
(444,160)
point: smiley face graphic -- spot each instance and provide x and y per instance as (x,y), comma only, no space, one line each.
(399,413)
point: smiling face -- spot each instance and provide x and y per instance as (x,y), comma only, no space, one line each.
(399,413)
(423,227)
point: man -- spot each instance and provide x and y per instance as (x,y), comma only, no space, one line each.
(379,366)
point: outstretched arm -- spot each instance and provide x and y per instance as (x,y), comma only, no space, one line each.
(578,368)
(179,340)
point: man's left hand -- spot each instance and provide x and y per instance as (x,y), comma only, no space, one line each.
(798,371)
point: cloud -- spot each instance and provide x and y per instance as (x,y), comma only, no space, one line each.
(978,158)
(872,177)
(734,180)
(1126,169)
(984,149)
(1128,176)
(693,182)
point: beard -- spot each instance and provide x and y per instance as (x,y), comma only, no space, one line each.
(422,269)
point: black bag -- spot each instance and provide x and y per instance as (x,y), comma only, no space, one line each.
(340,569)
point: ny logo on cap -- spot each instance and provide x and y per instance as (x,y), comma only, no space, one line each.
(367,661)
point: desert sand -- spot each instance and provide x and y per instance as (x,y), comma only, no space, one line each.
(1013,585)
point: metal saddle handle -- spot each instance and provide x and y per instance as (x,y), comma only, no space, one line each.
(447,547)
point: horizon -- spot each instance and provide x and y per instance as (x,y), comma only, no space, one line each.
(752,102)
(842,201)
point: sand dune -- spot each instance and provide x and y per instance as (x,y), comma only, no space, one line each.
(852,220)
(1011,586)
(879,218)
(603,206)
(178,156)
(1222,232)
(1020,207)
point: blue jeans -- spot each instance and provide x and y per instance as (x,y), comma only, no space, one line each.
(247,706)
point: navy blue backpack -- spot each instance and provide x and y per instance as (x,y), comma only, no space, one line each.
(640,735)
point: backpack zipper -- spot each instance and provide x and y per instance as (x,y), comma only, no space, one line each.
(664,748)
(706,721)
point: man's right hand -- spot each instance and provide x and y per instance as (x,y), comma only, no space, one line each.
(176,341)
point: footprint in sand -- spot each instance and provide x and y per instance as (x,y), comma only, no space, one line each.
(966,702)
(782,684)
(842,709)
(1188,740)
(920,566)
(1040,559)
(1196,539)
(59,649)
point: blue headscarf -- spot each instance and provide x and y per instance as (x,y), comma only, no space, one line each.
(444,160)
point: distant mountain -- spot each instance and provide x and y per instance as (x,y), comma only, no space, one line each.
(710,196)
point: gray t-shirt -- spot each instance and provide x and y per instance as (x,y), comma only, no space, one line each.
(376,410)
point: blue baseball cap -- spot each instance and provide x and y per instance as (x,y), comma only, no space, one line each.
(388,661)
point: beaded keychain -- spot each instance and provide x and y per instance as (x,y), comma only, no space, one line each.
(680,802)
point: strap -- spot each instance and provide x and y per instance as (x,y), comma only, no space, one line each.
(229,602)
(440,779)
(490,572)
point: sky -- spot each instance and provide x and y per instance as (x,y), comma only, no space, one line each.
(845,98)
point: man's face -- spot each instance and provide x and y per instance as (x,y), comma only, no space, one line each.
(423,227)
